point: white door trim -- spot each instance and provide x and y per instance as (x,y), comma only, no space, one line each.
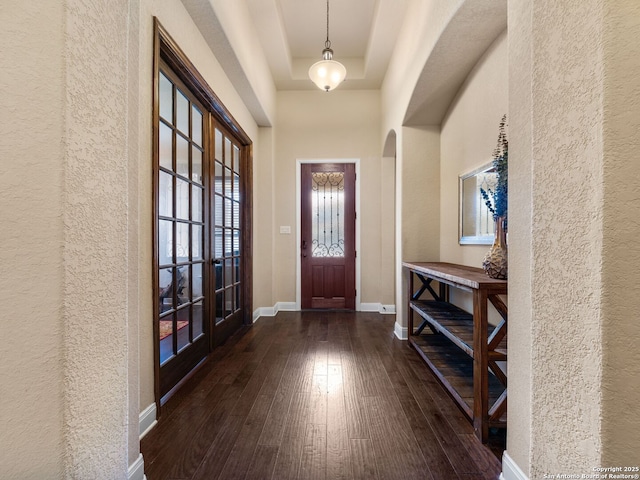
(299,163)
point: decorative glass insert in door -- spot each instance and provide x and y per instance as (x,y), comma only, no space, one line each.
(180,221)
(327,206)
(227,234)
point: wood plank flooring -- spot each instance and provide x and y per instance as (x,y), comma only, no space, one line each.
(316,395)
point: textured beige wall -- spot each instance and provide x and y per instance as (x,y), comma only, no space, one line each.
(418,208)
(420,194)
(566,208)
(520,233)
(469,135)
(70,193)
(621,230)
(317,125)
(31,180)
(133,238)
(264,271)
(574,123)
(424,23)
(387,229)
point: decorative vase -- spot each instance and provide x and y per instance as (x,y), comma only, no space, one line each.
(495,261)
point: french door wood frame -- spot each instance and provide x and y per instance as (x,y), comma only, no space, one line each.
(167,52)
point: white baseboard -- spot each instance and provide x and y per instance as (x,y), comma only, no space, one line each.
(294,307)
(147,419)
(287,307)
(387,309)
(264,312)
(378,307)
(510,470)
(273,311)
(136,470)
(369,307)
(401,332)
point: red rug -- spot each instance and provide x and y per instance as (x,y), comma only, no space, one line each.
(166,327)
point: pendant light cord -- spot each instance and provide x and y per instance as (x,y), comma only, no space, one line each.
(327,44)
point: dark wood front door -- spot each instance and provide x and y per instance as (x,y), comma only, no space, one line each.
(328,236)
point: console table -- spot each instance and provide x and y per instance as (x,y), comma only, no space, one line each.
(461,348)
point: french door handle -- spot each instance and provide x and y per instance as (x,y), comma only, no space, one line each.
(215,261)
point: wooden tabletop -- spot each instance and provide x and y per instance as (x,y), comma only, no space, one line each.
(471,277)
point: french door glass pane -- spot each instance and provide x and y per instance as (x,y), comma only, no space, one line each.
(197,242)
(182,113)
(182,199)
(220,306)
(166,98)
(196,205)
(182,156)
(165,242)
(218,210)
(184,316)
(236,186)
(228,153)
(165,200)
(166,147)
(219,183)
(219,144)
(236,159)
(228,306)
(196,278)
(166,339)
(184,286)
(217,244)
(182,242)
(165,283)
(196,165)
(228,186)
(228,272)
(236,214)
(236,242)
(228,213)
(228,242)
(197,319)
(196,123)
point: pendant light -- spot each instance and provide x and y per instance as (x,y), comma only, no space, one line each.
(327,74)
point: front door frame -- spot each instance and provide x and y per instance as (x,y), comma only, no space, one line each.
(299,163)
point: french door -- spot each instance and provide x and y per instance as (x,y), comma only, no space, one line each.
(200,193)
(328,236)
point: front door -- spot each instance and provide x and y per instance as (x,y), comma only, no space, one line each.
(327,247)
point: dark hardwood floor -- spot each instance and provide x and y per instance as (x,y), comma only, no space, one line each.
(316,395)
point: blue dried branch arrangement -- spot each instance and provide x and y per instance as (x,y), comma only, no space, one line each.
(496,201)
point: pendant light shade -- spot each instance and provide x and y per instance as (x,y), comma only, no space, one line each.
(327,74)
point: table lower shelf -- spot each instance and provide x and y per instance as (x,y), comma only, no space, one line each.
(454,369)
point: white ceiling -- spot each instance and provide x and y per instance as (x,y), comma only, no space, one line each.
(362,34)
